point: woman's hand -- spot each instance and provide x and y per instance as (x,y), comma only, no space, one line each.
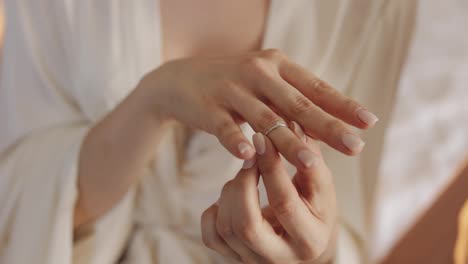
(298,226)
(261,88)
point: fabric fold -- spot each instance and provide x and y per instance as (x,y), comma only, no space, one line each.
(38,182)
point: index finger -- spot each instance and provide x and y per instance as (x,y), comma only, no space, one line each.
(315,184)
(304,230)
(326,97)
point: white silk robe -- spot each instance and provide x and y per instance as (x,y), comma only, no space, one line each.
(68,63)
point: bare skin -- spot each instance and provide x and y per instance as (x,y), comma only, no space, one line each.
(298,225)
(231,28)
(215,78)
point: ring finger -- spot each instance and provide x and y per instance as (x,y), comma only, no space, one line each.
(262,118)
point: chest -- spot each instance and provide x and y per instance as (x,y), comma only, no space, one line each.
(211,27)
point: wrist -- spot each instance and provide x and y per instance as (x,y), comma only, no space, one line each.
(145,101)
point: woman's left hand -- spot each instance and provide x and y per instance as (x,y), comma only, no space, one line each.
(298,226)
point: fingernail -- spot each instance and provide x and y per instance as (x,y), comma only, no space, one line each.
(244,147)
(297,129)
(307,158)
(259,143)
(248,163)
(353,142)
(367,117)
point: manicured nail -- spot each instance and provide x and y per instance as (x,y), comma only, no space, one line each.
(259,143)
(353,142)
(307,158)
(248,163)
(296,128)
(367,117)
(244,147)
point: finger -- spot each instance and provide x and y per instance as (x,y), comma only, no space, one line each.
(325,96)
(224,226)
(261,118)
(247,220)
(316,123)
(307,233)
(270,216)
(210,235)
(315,184)
(228,132)
(319,175)
(292,147)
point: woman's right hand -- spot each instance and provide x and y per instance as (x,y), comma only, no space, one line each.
(216,94)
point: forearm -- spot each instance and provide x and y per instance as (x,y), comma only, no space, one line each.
(114,154)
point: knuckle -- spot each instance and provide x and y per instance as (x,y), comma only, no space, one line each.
(229,86)
(266,119)
(319,89)
(227,187)
(246,230)
(217,125)
(301,105)
(310,251)
(224,128)
(272,54)
(208,216)
(254,65)
(230,135)
(334,126)
(205,216)
(319,85)
(285,207)
(225,231)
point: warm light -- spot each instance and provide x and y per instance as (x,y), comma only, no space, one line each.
(461,249)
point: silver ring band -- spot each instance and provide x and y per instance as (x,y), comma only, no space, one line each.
(275,126)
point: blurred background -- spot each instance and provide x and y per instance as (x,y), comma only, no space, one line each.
(430,123)
(422,189)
